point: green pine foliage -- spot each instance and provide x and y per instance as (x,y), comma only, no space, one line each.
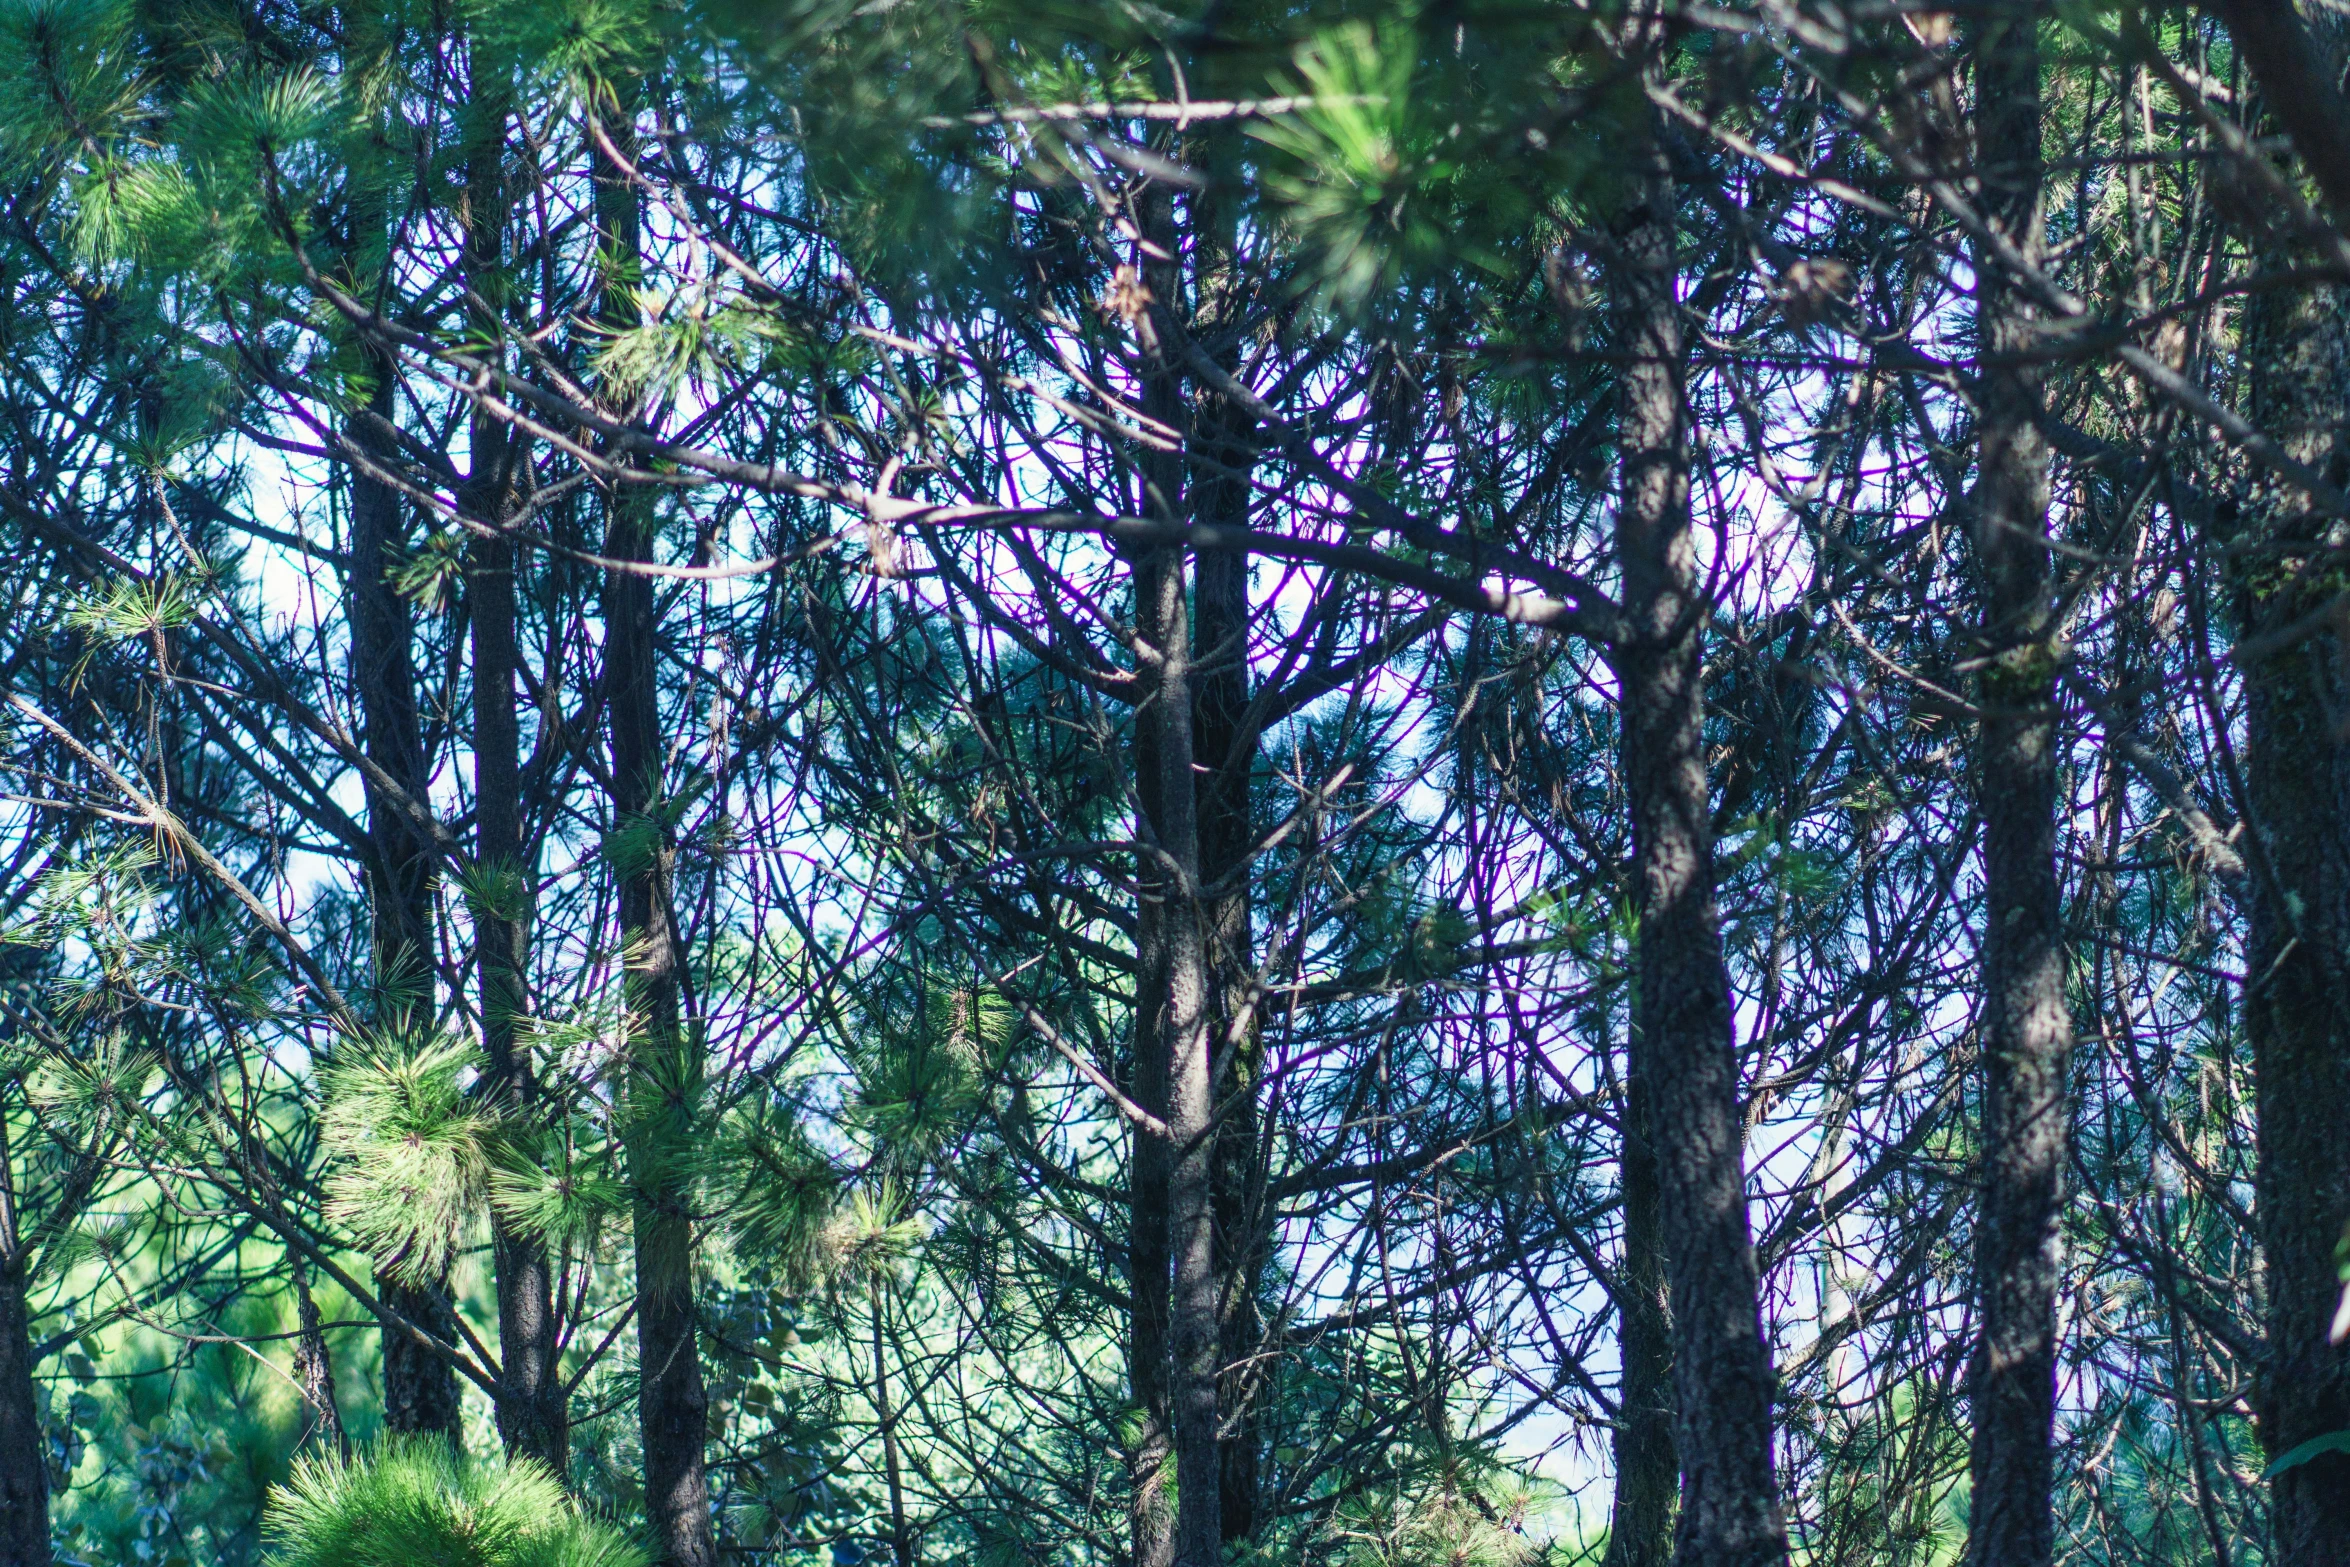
(418,1504)
(416,1152)
(828,368)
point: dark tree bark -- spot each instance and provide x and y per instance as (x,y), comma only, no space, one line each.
(530,1417)
(314,1368)
(1150,1268)
(531,1413)
(2297,951)
(24,1468)
(665,1071)
(672,1405)
(1222,454)
(1150,1272)
(419,1387)
(1172,1034)
(1648,1471)
(383,677)
(1682,1042)
(2026,1035)
(901,1532)
(2301,85)
(1172,877)
(1220,698)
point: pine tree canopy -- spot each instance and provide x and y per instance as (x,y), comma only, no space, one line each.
(1369,783)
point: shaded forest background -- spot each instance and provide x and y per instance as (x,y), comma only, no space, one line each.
(1398,784)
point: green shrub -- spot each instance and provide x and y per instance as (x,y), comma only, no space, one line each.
(414,1503)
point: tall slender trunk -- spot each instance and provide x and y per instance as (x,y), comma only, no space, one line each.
(24,1466)
(2297,1015)
(665,1071)
(383,678)
(1220,696)
(1150,1271)
(1150,1267)
(1173,878)
(672,1405)
(1648,1471)
(901,1534)
(1174,1328)
(2297,948)
(2026,1036)
(419,1388)
(1681,1039)
(532,1419)
(1150,1262)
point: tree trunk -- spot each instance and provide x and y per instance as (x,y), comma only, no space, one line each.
(383,679)
(1150,1267)
(314,1368)
(901,1534)
(419,1388)
(2297,951)
(665,1068)
(1172,877)
(532,1419)
(1648,1471)
(672,1406)
(1150,1272)
(1682,1042)
(1218,492)
(1176,1344)
(24,1467)
(2026,1035)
